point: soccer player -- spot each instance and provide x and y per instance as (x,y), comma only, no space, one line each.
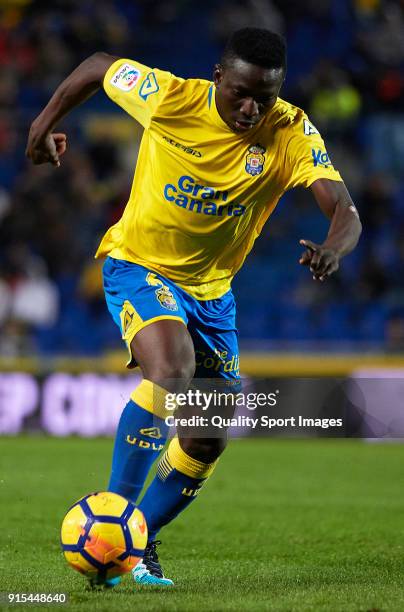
(215,159)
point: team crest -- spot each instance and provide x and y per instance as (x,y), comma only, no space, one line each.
(163,293)
(255,159)
(166,298)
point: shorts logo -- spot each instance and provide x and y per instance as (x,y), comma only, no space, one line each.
(163,293)
(309,128)
(151,432)
(321,158)
(166,298)
(255,159)
(126,77)
(129,318)
(219,360)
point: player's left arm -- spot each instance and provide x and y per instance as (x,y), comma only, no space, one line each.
(345,228)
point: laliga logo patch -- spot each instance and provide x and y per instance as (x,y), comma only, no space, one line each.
(126,77)
(255,159)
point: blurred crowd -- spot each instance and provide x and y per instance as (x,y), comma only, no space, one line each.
(345,69)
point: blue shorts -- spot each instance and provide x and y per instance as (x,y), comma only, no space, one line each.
(136,297)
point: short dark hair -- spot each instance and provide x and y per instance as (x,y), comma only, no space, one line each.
(256,46)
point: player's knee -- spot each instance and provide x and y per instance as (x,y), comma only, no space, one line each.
(173,374)
(206,450)
(166,354)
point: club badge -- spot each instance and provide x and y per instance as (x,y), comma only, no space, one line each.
(163,293)
(166,298)
(255,159)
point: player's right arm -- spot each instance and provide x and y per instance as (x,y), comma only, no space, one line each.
(43,145)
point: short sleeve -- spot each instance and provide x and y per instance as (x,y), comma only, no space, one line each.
(306,156)
(136,88)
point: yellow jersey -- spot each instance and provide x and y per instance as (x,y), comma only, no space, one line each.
(201,192)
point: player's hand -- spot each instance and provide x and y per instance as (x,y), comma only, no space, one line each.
(323,261)
(48,148)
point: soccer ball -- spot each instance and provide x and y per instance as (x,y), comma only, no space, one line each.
(103,535)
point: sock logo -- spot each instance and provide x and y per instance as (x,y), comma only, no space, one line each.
(151,432)
(190,492)
(193,492)
(144,443)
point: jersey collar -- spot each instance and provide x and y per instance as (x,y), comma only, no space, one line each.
(214,113)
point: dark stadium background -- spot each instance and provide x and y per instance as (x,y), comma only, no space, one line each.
(345,61)
(312,524)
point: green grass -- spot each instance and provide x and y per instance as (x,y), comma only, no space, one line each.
(282,525)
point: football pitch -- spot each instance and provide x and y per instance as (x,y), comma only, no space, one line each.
(296,525)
